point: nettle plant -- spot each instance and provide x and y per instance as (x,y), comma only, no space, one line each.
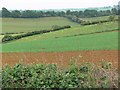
(85,75)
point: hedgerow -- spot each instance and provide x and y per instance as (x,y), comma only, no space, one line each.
(83,22)
(86,75)
(96,22)
(8,37)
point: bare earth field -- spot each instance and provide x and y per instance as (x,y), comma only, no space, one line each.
(61,58)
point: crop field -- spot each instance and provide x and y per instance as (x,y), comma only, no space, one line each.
(26,25)
(72,42)
(102,41)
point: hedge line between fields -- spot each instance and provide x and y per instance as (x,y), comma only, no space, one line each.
(118,29)
(95,32)
(11,33)
(95,22)
(83,22)
(8,37)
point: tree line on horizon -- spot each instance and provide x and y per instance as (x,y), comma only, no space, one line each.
(37,14)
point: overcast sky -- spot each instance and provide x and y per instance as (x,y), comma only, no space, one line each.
(54,4)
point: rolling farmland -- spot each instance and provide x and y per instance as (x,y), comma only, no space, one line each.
(77,38)
(90,44)
(54,44)
(90,37)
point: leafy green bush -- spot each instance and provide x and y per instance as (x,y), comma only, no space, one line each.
(7,38)
(86,75)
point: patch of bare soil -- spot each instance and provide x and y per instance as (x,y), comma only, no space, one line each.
(61,58)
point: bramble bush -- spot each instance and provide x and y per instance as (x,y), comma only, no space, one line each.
(86,75)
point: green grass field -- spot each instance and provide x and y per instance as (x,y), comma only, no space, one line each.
(102,41)
(26,25)
(76,30)
(98,18)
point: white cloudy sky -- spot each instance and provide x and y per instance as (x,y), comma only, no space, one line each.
(54,4)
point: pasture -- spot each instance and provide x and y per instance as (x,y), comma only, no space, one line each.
(16,25)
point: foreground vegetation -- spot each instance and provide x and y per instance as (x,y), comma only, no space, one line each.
(85,75)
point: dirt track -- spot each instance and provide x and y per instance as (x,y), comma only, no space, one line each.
(61,58)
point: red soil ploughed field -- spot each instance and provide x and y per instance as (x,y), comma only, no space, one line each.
(60,58)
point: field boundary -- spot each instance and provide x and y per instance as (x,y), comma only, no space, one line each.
(92,33)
